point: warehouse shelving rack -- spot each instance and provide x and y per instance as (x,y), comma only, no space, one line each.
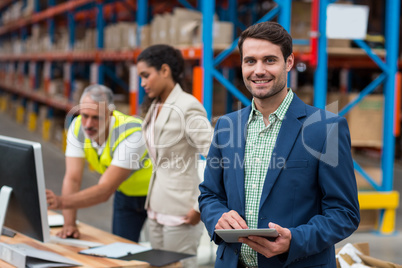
(384,198)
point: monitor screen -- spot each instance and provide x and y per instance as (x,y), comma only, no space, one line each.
(21,169)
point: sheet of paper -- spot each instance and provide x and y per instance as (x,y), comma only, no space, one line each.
(115,250)
(74,242)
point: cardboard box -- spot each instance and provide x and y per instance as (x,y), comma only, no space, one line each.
(108,37)
(301,24)
(128,35)
(155,26)
(145,36)
(56,88)
(163,36)
(359,254)
(368,220)
(182,25)
(223,32)
(339,43)
(365,119)
(300,20)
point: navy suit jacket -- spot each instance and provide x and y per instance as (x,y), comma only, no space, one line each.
(310,186)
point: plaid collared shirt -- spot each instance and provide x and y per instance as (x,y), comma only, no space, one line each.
(260,143)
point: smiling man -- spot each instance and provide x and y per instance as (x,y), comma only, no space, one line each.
(295,172)
(112,143)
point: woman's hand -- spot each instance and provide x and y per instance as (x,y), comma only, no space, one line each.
(193,217)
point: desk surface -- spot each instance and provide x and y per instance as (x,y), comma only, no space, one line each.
(88,233)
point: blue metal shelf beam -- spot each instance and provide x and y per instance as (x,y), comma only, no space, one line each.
(142,20)
(320,76)
(373,56)
(112,74)
(100,25)
(207,8)
(186,4)
(389,69)
(208,63)
(392,9)
(373,85)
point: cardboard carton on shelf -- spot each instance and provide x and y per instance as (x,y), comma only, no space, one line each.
(368,220)
(345,43)
(223,32)
(301,20)
(155,26)
(128,35)
(365,119)
(160,26)
(56,88)
(165,28)
(301,25)
(145,37)
(109,34)
(182,23)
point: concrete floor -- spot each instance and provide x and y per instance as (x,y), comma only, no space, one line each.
(382,247)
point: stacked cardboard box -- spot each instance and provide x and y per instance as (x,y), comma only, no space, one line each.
(56,88)
(365,119)
(85,39)
(120,36)
(301,24)
(183,27)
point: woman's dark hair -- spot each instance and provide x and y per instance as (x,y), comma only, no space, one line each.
(157,55)
(269,31)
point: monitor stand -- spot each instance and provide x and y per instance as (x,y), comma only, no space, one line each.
(5,194)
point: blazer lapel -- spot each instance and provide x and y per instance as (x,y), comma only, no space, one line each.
(164,113)
(287,136)
(240,147)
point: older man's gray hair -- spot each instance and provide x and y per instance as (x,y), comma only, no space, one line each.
(99,93)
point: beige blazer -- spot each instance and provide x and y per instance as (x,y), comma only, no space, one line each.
(181,132)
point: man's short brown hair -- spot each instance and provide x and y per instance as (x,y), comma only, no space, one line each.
(269,31)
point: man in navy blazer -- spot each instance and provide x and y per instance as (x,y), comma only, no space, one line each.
(306,189)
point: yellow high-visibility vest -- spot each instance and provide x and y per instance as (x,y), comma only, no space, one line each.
(137,183)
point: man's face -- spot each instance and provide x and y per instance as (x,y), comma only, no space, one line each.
(95,118)
(264,68)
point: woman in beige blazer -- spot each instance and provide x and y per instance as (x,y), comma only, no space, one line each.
(177,131)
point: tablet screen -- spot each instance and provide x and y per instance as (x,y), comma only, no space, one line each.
(233,235)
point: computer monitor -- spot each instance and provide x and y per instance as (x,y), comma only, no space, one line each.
(22,185)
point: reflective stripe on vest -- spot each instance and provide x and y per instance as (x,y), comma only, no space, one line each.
(137,183)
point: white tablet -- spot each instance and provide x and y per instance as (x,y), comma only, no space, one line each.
(233,235)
